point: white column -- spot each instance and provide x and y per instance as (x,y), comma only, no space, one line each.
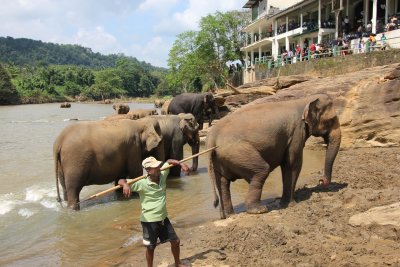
(287,44)
(319,13)
(301,22)
(273,49)
(374,15)
(319,22)
(337,24)
(259,33)
(276,27)
(252,58)
(251,37)
(386,11)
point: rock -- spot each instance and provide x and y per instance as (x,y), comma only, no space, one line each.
(382,215)
(367,102)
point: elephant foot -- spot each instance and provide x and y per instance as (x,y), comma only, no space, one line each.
(287,204)
(256,209)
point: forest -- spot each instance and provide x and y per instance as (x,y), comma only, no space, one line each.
(33,71)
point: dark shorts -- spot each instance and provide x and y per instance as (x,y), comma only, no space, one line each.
(162,230)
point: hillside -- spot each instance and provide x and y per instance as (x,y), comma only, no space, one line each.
(23,51)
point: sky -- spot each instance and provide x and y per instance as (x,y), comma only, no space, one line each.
(145,29)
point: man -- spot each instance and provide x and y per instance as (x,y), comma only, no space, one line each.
(154,220)
(383,40)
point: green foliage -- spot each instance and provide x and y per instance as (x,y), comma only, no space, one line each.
(8,93)
(38,75)
(199,58)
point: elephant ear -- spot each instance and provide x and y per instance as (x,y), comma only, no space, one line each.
(188,122)
(310,113)
(151,138)
(208,98)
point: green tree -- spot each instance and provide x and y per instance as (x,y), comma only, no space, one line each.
(203,54)
(8,93)
(107,84)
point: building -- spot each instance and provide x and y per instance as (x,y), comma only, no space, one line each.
(273,31)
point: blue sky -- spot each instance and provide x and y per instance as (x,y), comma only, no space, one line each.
(145,29)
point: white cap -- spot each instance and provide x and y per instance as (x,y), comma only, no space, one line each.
(151,162)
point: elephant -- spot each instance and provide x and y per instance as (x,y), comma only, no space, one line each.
(159,102)
(164,108)
(196,104)
(99,152)
(176,131)
(65,105)
(121,108)
(257,138)
(141,113)
(120,117)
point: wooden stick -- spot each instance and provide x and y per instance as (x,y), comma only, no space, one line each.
(131,181)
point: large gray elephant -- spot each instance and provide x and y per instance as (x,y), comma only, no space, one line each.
(196,104)
(176,131)
(256,139)
(99,152)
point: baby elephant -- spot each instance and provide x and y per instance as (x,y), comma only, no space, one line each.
(141,113)
(65,105)
(159,102)
(121,108)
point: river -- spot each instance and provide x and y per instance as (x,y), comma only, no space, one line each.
(35,230)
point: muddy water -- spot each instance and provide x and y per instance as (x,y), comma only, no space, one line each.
(36,231)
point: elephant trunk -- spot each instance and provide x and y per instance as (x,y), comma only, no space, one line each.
(195,150)
(333,142)
(216,109)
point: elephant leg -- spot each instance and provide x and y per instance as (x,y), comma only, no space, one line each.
(73,185)
(253,199)
(65,194)
(73,198)
(195,150)
(290,173)
(226,196)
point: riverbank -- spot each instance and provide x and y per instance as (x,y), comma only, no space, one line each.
(327,226)
(320,230)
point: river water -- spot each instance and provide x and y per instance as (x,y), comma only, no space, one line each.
(36,231)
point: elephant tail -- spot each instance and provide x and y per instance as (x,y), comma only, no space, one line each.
(58,170)
(211,173)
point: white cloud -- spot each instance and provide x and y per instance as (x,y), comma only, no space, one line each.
(157,6)
(155,51)
(97,39)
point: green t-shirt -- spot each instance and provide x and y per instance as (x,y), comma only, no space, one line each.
(152,197)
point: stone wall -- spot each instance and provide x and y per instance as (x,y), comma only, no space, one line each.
(333,65)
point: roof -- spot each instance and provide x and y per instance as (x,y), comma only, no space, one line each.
(250,3)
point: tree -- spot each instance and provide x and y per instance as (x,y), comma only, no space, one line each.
(8,93)
(107,84)
(203,54)
(183,61)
